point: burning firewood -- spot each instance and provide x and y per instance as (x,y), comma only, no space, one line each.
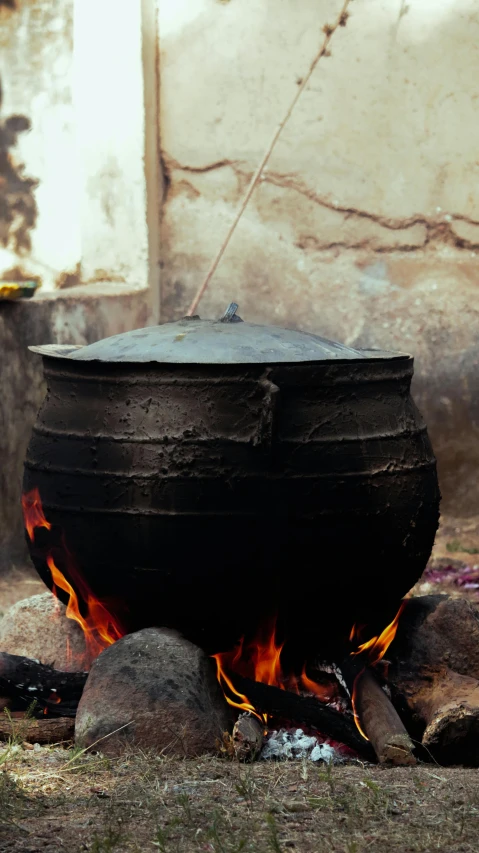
(307,710)
(380,722)
(23,681)
(247,738)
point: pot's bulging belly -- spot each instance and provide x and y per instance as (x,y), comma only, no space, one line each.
(204,497)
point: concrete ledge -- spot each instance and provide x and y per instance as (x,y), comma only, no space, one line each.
(79,315)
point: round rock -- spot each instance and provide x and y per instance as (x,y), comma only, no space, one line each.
(160,690)
(38,627)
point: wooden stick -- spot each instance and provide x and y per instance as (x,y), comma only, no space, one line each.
(44,730)
(306,710)
(329,31)
(381,723)
(248,736)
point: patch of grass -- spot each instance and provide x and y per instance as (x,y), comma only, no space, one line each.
(12,799)
(273,838)
(20,726)
(82,761)
(246,786)
(327,776)
(5,755)
(378,797)
(221,843)
(108,841)
(455,546)
(142,802)
(161,840)
(185,803)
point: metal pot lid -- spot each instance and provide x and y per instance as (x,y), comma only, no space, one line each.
(225,341)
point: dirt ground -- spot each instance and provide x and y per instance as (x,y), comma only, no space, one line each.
(52,800)
(59,799)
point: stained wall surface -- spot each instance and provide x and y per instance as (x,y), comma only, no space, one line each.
(365,227)
(81,74)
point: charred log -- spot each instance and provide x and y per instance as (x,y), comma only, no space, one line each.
(24,682)
(307,710)
(248,737)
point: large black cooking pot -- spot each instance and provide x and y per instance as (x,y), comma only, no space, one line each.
(207,474)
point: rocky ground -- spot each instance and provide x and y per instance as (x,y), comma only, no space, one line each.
(59,798)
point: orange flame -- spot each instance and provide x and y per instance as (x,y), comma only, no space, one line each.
(100,628)
(260,660)
(355,713)
(265,657)
(377,646)
(33,513)
(375,650)
(243,704)
(324,692)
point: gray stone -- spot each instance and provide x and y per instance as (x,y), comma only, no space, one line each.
(162,688)
(39,628)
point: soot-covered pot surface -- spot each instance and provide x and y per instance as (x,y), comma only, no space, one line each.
(205,475)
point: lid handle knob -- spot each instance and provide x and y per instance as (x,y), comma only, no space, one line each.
(230,315)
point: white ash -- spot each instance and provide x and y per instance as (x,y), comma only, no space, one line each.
(286,744)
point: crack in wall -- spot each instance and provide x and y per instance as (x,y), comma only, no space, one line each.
(210,167)
(438,228)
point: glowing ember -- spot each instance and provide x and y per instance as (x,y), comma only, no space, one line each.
(100,628)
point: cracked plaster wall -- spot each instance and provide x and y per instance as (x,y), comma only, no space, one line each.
(366,225)
(84,73)
(36,40)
